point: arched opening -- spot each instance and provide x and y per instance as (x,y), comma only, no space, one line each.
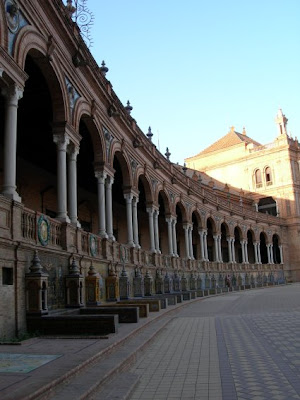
(267,205)
(224,243)
(143,218)
(36,151)
(263,249)
(119,204)
(237,245)
(258,180)
(181,250)
(195,236)
(162,225)
(86,180)
(268,176)
(210,225)
(250,248)
(276,250)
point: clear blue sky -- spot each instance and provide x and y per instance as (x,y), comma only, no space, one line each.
(191,69)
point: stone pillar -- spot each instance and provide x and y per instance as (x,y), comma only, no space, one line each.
(255,252)
(205,246)
(186,240)
(246,251)
(12,95)
(201,235)
(220,248)
(216,248)
(135,200)
(174,236)
(170,236)
(109,215)
(156,231)
(229,239)
(243,251)
(128,198)
(101,176)
(271,253)
(72,184)
(61,142)
(191,241)
(150,212)
(281,254)
(258,253)
(233,250)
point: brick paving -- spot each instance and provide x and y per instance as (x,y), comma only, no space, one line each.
(238,346)
(227,348)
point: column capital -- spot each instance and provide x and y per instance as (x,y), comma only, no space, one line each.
(73,150)
(100,175)
(61,141)
(12,93)
(128,197)
(150,210)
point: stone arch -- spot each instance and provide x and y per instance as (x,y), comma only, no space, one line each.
(52,74)
(147,187)
(183,210)
(96,137)
(124,162)
(181,217)
(166,200)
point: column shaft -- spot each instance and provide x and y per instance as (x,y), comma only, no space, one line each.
(135,222)
(61,142)
(101,176)
(108,204)
(150,212)
(72,185)
(128,198)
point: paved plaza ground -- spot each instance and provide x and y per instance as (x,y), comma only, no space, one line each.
(241,345)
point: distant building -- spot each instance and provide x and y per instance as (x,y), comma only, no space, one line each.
(268,174)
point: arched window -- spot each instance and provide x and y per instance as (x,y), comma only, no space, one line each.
(258,181)
(268,176)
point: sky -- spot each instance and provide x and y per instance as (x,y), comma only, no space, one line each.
(192,69)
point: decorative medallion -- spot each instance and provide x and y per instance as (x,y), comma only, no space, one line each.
(12,16)
(123,253)
(43,230)
(93,245)
(73,94)
(134,165)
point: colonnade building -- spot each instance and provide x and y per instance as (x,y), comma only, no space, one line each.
(82,185)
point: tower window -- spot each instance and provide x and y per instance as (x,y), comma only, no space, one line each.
(268,176)
(258,181)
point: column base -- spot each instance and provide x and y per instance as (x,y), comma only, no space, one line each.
(63,218)
(103,235)
(12,195)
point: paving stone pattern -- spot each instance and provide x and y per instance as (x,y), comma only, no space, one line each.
(230,355)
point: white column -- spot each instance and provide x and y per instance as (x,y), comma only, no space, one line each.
(156,231)
(229,249)
(255,252)
(271,253)
(72,184)
(174,222)
(220,248)
(61,142)
(201,235)
(216,248)
(170,236)
(150,212)
(246,251)
(268,253)
(108,203)
(12,95)
(281,254)
(205,246)
(191,242)
(233,250)
(186,240)
(258,253)
(128,198)
(243,251)
(135,200)
(101,176)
